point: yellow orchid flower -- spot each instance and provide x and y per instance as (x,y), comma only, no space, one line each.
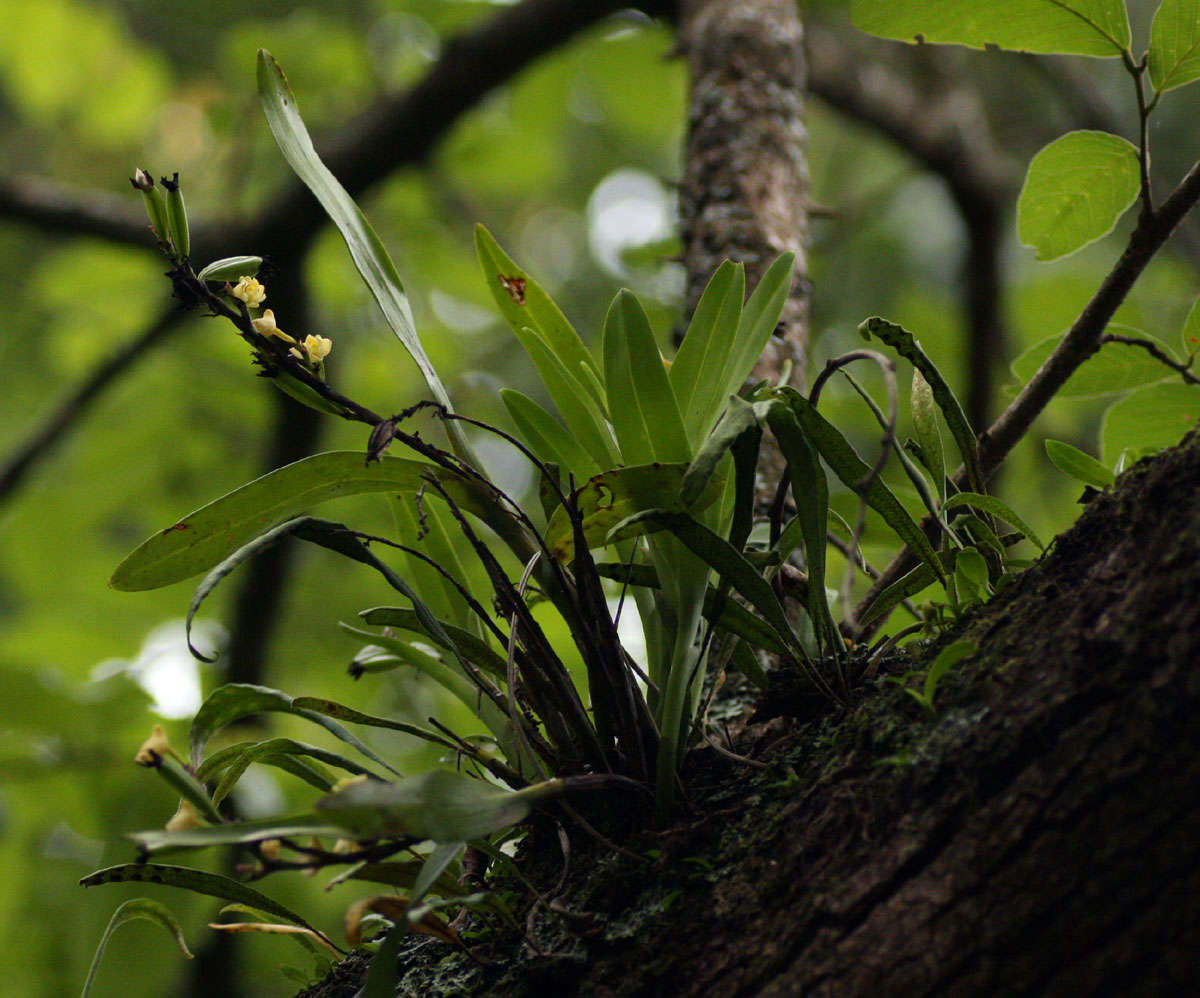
(265,326)
(249,290)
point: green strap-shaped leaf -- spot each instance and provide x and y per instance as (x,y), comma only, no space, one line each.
(546,437)
(132,909)
(523,302)
(852,470)
(483,655)
(214,577)
(583,416)
(921,577)
(929,432)
(234,701)
(440,860)
(613,496)
(990,504)
(1076,189)
(641,402)
(810,489)
(340,712)
(739,417)
(1070,27)
(284,748)
(381,976)
(203,538)
(421,525)
(270,749)
(1175,44)
(1080,466)
(703,356)
(198,882)
(158,842)
(759,320)
(368,252)
(451,678)
(906,345)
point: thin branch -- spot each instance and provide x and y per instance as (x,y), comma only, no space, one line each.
(1155,351)
(50,432)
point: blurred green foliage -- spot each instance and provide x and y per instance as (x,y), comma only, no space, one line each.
(88,90)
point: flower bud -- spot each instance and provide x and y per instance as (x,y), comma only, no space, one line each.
(231,268)
(184,818)
(156,204)
(177,217)
(153,748)
(265,326)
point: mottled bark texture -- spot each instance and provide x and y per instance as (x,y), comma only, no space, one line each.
(1039,836)
(745,185)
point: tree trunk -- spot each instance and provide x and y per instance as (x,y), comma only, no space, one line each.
(1040,835)
(744,194)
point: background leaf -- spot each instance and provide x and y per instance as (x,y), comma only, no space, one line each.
(1077,27)
(1116,367)
(1076,189)
(1148,420)
(1175,44)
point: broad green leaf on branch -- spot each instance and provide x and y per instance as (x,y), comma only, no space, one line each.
(132,909)
(1148,421)
(440,806)
(546,436)
(196,881)
(366,249)
(1080,466)
(1069,27)
(1076,189)
(1175,44)
(607,499)
(204,538)
(1116,367)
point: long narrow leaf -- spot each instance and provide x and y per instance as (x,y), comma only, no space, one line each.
(704,353)
(198,882)
(810,490)
(906,345)
(132,909)
(641,402)
(157,841)
(852,470)
(546,437)
(203,538)
(759,320)
(523,302)
(480,652)
(366,249)
(739,417)
(234,701)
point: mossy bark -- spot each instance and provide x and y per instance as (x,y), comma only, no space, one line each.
(1040,835)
